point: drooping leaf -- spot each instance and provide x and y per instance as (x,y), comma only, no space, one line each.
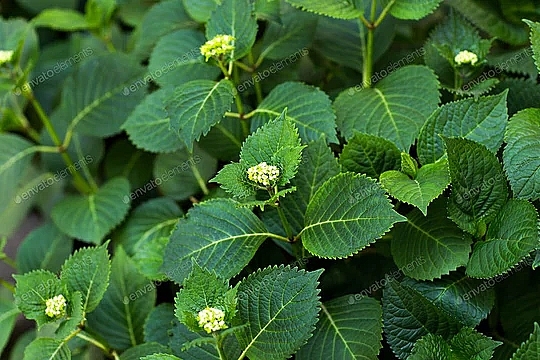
(347,213)
(345,331)
(530,349)
(280,306)
(520,156)
(181,174)
(309,108)
(177,59)
(408,316)
(349,9)
(87,271)
(235,18)
(218,234)
(198,105)
(47,349)
(44,248)
(413,9)
(370,155)
(148,125)
(479,187)
(483,120)
(434,238)
(91,217)
(96,90)
(511,236)
(130,297)
(385,109)
(429,183)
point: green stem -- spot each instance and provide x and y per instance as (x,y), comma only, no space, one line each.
(9,261)
(78,180)
(243,66)
(241,116)
(219,346)
(285,223)
(223,69)
(277,237)
(383,13)
(85,336)
(258,90)
(7,285)
(197,174)
(368,55)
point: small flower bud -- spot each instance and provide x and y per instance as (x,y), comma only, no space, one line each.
(219,45)
(263,174)
(466,57)
(211,319)
(5,56)
(56,306)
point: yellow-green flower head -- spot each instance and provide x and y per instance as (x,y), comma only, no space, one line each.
(56,306)
(263,174)
(5,56)
(219,45)
(466,57)
(211,319)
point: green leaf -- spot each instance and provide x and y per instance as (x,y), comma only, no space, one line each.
(150,221)
(102,87)
(88,271)
(160,357)
(158,324)
(276,143)
(143,350)
(130,297)
(408,316)
(347,213)
(218,234)
(431,347)
(385,110)
(47,349)
(13,160)
(434,239)
(530,349)
(124,159)
(479,187)
(91,217)
(148,125)
(162,18)
(349,9)
(370,155)
(61,19)
(267,10)
(46,248)
(470,344)
(520,155)
(280,305)
(318,165)
(413,9)
(224,141)
(409,166)
(308,107)
(37,7)
(236,18)
(198,105)
(294,32)
(202,289)
(33,290)
(511,236)
(74,318)
(99,12)
(535,41)
(490,20)
(180,175)
(346,331)
(430,182)
(177,59)
(8,316)
(483,120)
(200,10)
(455,294)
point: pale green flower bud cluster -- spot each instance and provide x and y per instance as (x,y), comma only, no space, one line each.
(56,306)
(211,319)
(263,173)
(5,56)
(466,57)
(219,45)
